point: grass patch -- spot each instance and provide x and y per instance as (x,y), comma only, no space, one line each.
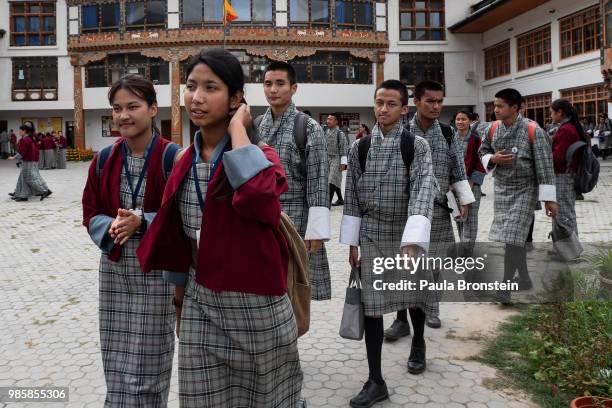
(34,250)
(52,277)
(43,322)
(13,236)
(73,300)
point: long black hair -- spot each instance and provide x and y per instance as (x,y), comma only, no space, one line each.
(29,128)
(139,86)
(570,112)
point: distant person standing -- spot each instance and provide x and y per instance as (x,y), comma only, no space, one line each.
(62,144)
(4,144)
(13,142)
(363,131)
(337,149)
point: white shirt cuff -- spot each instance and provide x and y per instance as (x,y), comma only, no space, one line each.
(548,192)
(463,192)
(343,160)
(349,230)
(318,224)
(485,162)
(416,232)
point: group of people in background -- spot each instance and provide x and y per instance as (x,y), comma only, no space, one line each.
(192,244)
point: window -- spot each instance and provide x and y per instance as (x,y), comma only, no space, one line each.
(197,13)
(96,18)
(252,10)
(32,23)
(309,12)
(252,66)
(533,48)
(422,20)
(590,101)
(354,14)
(336,67)
(419,66)
(34,78)
(497,60)
(580,32)
(105,72)
(489,111)
(537,107)
(145,15)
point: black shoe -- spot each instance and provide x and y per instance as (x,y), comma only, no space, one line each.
(45,194)
(529,246)
(433,322)
(523,284)
(579,197)
(12,194)
(503,296)
(483,195)
(370,394)
(302,403)
(338,203)
(20,199)
(416,361)
(396,330)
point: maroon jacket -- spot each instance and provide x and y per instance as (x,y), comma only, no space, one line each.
(28,149)
(241,246)
(62,143)
(562,140)
(48,143)
(474,169)
(101,195)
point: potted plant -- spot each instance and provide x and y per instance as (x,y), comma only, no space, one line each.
(591,402)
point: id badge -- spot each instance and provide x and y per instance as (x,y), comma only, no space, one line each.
(136,211)
(198,240)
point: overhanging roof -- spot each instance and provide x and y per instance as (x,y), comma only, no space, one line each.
(493,14)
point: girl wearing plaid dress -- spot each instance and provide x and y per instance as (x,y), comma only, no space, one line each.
(122,195)
(218,233)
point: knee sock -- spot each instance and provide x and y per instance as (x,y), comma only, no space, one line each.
(339,193)
(331,193)
(402,316)
(417,316)
(374,340)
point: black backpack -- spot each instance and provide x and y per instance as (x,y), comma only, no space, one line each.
(300,134)
(587,171)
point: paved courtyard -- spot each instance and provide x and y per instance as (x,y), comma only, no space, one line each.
(49,311)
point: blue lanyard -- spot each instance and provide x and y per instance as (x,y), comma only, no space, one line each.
(215,160)
(142,172)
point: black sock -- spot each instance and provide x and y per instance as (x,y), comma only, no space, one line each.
(331,193)
(402,316)
(417,316)
(374,340)
(339,193)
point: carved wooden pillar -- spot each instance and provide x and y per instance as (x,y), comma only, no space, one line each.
(79,117)
(380,67)
(175,91)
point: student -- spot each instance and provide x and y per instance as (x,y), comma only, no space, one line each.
(123,193)
(13,142)
(388,212)
(48,143)
(363,131)
(30,182)
(62,144)
(523,170)
(336,155)
(449,172)
(570,131)
(220,221)
(306,167)
(470,143)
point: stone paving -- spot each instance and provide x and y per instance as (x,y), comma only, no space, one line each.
(49,319)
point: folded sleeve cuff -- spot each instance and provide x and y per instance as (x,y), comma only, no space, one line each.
(349,230)
(463,192)
(343,160)
(98,231)
(243,164)
(477,177)
(18,156)
(148,217)
(548,192)
(416,232)
(485,162)
(318,224)
(176,278)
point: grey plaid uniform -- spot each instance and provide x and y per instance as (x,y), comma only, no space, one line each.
(336,148)
(516,186)
(566,199)
(30,183)
(236,349)
(61,158)
(136,321)
(50,162)
(303,193)
(378,197)
(468,229)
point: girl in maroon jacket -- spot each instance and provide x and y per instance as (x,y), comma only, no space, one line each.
(123,193)
(30,182)
(218,231)
(570,131)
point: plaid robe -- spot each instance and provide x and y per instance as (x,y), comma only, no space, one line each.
(136,320)
(306,200)
(566,199)
(380,217)
(468,229)
(30,182)
(518,186)
(336,151)
(236,349)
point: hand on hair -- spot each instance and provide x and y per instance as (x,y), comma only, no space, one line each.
(240,120)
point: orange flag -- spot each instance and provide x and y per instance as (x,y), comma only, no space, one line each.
(229,14)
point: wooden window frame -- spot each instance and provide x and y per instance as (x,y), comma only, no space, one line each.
(26,15)
(538,104)
(489,109)
(125,64)
(27,62)
(310,23)
(575,24)
(428,28)
(411,56)
(533,48)
(327,58)
(354,25)
(580,97)
(212,23)
(497,60)
(99,28)
(145,26)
